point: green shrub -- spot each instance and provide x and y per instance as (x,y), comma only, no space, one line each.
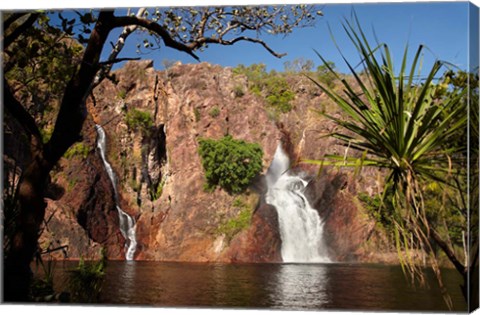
(380,211)
(281,102)
(156,193)
(238,91)
(196,112)
(86,280)
(78,149)
(122,94)
(273,86)
(325,76)
(46,133)
(138,120)
(229,163)
(214,112)
(42,287)
(233,226)
(279,94)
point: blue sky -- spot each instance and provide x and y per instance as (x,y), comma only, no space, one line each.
(442,27)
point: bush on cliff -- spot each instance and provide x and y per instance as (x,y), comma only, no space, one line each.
(139,120)
(229,163)
(272,85)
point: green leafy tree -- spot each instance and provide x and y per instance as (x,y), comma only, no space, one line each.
(186,30)
(324,75)
(299,65)
(229,163)
(406,127)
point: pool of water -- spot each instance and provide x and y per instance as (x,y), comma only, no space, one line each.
(273,286)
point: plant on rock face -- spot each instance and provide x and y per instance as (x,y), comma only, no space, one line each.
(401,125)
(138,120)
(229,163)
(79,149)
(273,86)
(241,221)
(214,112)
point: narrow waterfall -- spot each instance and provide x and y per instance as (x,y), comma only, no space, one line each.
(301,228)
(126,222)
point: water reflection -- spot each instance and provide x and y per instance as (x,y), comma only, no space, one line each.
(278,286)
(301,286)
(127,279)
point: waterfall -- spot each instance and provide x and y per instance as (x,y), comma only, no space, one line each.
(126,222)
(301,228)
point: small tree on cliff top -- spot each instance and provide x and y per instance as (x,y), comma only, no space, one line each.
(184,29)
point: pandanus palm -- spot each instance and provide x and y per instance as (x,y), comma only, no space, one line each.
(404,125)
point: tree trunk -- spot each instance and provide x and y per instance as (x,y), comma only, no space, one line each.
(31,204)
(31,187)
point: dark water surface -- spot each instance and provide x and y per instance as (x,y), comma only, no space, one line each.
(275,286)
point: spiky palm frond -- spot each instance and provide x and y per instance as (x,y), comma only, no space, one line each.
(400,124)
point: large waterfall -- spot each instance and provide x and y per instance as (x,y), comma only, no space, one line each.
(301,228)
(126,222)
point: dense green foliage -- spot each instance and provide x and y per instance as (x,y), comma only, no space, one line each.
(229,163)
(44,59)
(138,120)
(273,86)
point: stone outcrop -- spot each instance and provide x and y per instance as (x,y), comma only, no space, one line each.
(346,226)
(261,242)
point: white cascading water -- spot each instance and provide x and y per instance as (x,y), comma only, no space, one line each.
(126,222)
(301,228)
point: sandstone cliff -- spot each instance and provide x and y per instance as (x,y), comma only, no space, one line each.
(161,179)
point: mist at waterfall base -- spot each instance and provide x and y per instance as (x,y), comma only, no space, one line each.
(126,222)
(301,228)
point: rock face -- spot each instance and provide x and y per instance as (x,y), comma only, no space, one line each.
(261,242)
(161,179)
(346,226)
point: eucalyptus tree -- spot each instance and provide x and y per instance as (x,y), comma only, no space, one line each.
(187,30)
(416,130)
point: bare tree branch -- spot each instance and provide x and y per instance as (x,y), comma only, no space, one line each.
(116,49)
(9,39)
(110,62)
(157,29)
(235,40)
